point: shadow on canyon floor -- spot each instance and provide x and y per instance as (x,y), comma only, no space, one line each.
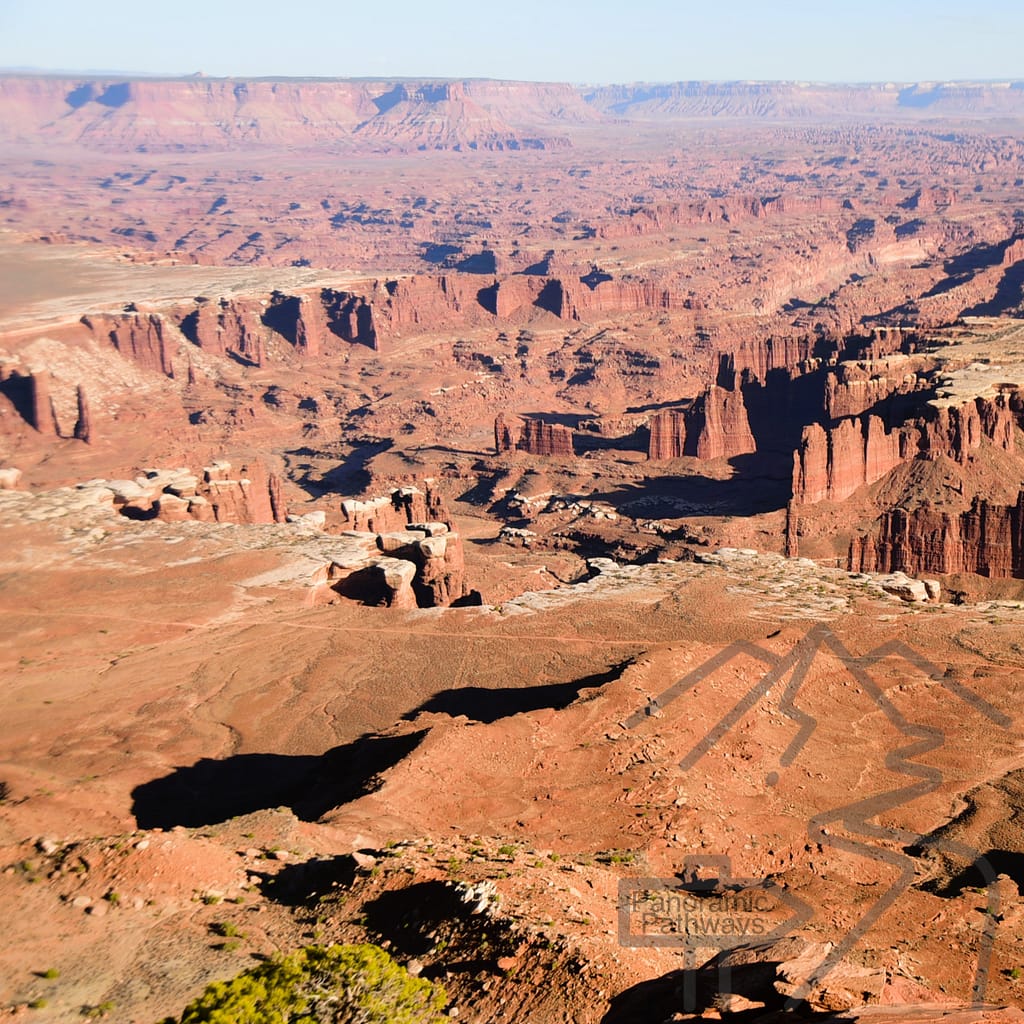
(487,705)
(212,791)
(757,486)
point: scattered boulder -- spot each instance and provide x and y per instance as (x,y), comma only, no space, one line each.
(902,586)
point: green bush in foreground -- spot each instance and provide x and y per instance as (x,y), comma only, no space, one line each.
(320,985)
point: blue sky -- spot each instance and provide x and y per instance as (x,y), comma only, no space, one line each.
(546,40)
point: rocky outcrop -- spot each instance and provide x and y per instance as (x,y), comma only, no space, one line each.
(83,424)
(719,419)
(853,389)
(42,417)
(250,495)
(957,430)
(668,435)
(350,317)
(407,528)
(763,976)
(228,327)
(535,437)
(792,543)
(987,539)
(145,338)
(28,393)
(503,439)
(437,555)
(759,357)
(540,438)
(395,511)
(832,463)
(715,426)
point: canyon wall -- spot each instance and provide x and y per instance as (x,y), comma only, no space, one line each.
(987,539)
(715,426)
(199,113)
(832,463)
(534,437)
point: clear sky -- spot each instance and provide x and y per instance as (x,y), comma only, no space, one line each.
(544,40)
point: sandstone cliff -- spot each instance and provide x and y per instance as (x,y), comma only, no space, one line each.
(987,539)
(110,113)
(148,339)
(715,426)
(832,463)
(535,437)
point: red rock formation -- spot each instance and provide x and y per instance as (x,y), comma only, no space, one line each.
(142,337)
(760,356)
(394,512)
(957,430)
(723,430)
(350,317)
(310,325)
(540,438)
(83,425)
(831,464)
(668,435)
(1014,252)
(26,399)
(792,546)
(852,389)
(503,440)
(535,438)
(233,326)
(714,427)
(414,526)
(41,406)
(252,495)
(437,554)
(987,539)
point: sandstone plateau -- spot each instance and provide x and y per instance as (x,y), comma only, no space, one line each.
(522,526)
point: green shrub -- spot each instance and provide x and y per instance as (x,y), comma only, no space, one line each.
(321,985)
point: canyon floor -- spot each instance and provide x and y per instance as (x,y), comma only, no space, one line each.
(471,534)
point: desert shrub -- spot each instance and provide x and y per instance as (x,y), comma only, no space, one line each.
(321,985)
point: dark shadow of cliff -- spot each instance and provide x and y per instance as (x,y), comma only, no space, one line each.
(212,791)
(1008,298)
(682,992)
(759,483)
(650,1002)
(484,705)
(350,476)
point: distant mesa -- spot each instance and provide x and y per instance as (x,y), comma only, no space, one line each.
(197,112)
